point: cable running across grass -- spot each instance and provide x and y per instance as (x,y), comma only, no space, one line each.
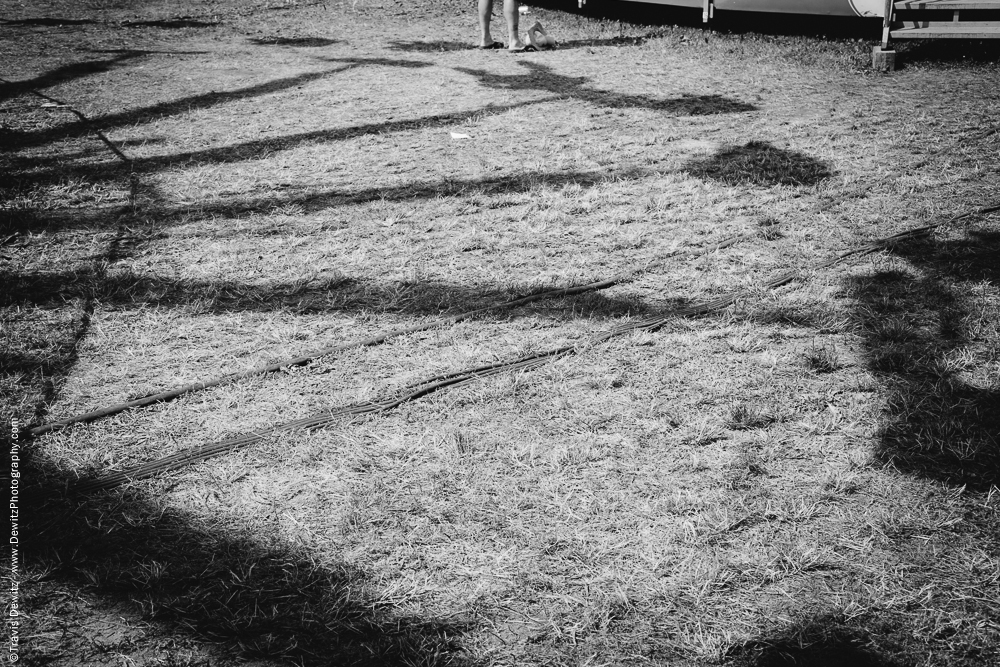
(171,394)
(448,381)
(374,340)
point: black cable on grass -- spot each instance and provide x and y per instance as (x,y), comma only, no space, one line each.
(449,381)
(367,342)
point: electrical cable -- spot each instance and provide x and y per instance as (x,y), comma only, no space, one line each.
(171,394)
(188,456)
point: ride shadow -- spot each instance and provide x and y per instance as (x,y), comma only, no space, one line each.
(759,163)
(332,292)
(432,46)
(294,41)
(926,332)
(544,78)
(62,75)
(48,21)
(186,578)
(823,641)
(170,24)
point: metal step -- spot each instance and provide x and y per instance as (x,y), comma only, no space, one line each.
(947,4)
(953,31)
(909,24)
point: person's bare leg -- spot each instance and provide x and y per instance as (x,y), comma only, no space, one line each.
(510,13)
(485,13)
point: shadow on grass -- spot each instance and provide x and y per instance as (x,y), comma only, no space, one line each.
(294,41)
(176,107)
(820,642)
(759,163)
(923,331)
(308,201)
(190,579)
(330,294)
(542,77)
(48,21)
(53,170)
(57,76)
(432,46)
(171,24)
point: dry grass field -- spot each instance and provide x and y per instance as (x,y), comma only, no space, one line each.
(807,476)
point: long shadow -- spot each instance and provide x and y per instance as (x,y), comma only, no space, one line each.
(334,294)
(190,103)
(48,21)
(937,425)
(170,24)
(294,41)
(187,578)
(310,201)
(821,642)
(62,74)
(52,170)
(151,52)
(542,77)
(432,46)
(759,163)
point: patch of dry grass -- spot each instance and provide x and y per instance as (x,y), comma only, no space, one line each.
(809,475)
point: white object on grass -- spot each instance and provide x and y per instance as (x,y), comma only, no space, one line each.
(538,37)
(459,135)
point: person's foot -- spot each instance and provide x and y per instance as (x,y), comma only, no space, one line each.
(516,44)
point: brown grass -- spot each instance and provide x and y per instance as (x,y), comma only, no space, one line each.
(809,476)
